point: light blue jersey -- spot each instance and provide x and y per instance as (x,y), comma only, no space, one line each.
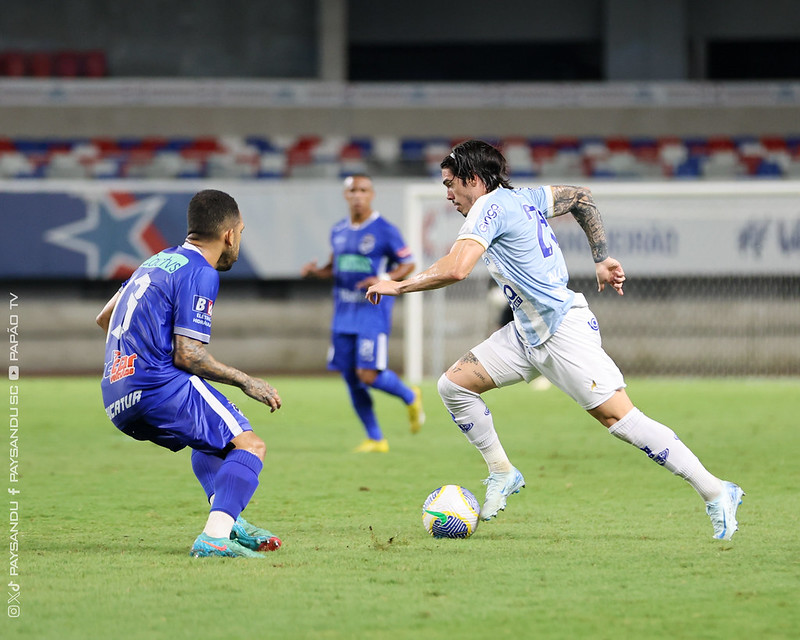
(523,257)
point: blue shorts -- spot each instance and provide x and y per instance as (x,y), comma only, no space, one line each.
(359,351)
(195,415)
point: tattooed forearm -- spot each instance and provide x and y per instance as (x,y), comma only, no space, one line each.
(579,202)
(191,355)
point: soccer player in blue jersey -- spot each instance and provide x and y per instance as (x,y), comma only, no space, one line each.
(365,249)
(553,333)
(155,381)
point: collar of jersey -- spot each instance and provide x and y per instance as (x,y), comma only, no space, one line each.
(191,247)
(374,216)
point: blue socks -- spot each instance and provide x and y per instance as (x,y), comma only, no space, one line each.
(236,482)
(389,382)
(205,467)
(362,403)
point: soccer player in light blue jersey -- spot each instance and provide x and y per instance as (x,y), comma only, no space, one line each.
(155,381)
(553,333)
(365,249)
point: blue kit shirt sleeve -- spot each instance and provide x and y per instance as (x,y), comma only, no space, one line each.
(194,304)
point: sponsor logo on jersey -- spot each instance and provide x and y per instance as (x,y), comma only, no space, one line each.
(203,305)
(490,215)
(203,308)
(514,299)
(120,367)
(123,404)
(593,324)
(346,295)
(353,263)
(169,262)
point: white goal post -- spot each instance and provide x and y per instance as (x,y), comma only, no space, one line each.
(713,276)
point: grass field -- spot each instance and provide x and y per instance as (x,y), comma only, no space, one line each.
(601,544)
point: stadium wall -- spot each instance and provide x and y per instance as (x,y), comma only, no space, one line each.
(711,296)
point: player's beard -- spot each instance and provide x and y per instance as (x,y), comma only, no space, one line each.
(227,259)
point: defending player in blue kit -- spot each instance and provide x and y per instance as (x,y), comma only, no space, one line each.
(155,382)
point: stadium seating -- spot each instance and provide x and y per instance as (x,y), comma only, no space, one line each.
(53,64)
(282,157)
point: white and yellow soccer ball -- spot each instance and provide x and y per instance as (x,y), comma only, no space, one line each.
(451,511)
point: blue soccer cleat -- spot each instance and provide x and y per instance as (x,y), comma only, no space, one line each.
(205,546)
(253,537)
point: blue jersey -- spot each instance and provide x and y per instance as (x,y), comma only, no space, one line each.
(171,293)
(523,257)
(369,249)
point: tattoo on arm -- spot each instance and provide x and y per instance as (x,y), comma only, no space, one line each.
(191,355)
(579,202)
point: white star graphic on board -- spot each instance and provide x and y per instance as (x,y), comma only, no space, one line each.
(111,235)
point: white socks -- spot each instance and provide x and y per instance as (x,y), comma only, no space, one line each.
(659,442)
(663,447)
(219,525)
(474,419)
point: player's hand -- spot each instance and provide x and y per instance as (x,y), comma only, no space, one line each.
(367,282)
(382,288)
(610,271)
(264,392)
(309,269)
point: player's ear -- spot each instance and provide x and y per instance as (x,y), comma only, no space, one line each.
(228,237)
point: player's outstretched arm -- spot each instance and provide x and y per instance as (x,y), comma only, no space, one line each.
(453,267)
(104,317)
(401,272)
(313,270)
(191,355)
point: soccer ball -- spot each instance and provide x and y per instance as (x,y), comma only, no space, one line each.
(451,512)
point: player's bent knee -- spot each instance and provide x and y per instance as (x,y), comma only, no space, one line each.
(451,393)
(249,441)
(367,376)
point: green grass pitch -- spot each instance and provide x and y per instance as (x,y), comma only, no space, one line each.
(601,544)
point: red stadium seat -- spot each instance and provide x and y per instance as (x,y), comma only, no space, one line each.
(40,64)
(67,64)
(94,64)
(13,63)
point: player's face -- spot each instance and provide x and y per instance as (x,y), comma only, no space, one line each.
(359,193)
(462,194)
(231,252)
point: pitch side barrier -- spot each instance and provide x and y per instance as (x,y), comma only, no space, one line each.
(713,269)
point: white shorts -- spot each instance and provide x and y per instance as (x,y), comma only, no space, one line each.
(572,359)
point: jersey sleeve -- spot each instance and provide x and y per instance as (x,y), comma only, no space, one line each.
(399,251)
(544,195)
(194,304)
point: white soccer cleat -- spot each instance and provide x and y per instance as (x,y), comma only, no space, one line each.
(498,487)
(722,511)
